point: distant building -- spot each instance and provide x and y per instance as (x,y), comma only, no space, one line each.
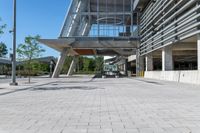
(5,64)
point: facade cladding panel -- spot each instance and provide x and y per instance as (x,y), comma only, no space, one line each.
(165,22)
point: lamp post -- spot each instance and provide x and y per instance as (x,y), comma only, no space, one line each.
(14,83)
(51,68)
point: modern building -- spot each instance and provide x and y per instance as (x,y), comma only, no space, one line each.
(157,36)
(170,39)
(97,27)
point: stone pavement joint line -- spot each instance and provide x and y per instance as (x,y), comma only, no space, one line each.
(82,105)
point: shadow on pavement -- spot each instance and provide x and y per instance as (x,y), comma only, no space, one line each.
(150,82)
(39,87)
(24,89)
(65,88)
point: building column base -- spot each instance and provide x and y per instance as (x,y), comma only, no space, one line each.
(167,59)
(149,62)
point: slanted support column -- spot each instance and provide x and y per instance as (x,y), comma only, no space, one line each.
(149,62)
(60,63)
(167,59)
(72,67)
(198,50)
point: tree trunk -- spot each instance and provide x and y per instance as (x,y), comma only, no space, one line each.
(29,71)
(29,79)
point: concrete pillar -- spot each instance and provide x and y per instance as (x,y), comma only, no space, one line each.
(198,50)
(167,59)
(126,67)
(149,62)
(139,65)
(72,67)
(60,63)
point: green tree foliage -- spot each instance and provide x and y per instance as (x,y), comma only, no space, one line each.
(43,68)
(39,68)
(80,63)
(91,66)
(3,47)
(2,26)
(99,63)
(28,51)
(85,65)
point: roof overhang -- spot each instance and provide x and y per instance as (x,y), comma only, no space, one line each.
(89,45)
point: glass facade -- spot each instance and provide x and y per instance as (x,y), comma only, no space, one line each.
(100,18)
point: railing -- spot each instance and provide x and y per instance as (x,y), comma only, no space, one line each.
(165,22)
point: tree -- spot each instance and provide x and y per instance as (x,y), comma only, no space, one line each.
(29,51)
(3,49)
(99,63)
(80,63)
(86,63)
(91,66)
(2,26)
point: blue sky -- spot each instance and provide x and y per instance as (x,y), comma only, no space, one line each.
(43,17)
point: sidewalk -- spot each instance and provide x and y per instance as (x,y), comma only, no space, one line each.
(86,105)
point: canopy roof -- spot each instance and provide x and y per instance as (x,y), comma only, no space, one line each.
(93,46)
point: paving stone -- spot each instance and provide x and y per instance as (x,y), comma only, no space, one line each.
(82,105)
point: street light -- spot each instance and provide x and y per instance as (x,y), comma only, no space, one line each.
(14,83)
(51,68)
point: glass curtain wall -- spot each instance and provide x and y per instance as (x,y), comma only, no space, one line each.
(102,18)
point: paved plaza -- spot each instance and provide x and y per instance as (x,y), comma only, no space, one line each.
(86,105)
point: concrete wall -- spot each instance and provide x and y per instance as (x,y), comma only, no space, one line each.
(191,77)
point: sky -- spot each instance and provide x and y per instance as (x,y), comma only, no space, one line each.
(34,17)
